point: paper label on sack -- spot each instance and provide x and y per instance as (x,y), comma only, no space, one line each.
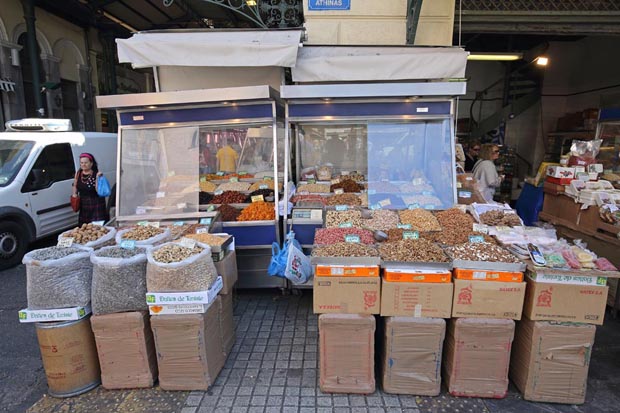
(98,223)
(60,314)
(211,208)
(459,185)
(142,223)
(187,243)
(352,238)
(338,191)
(411,235)
(482,228)
(65,242)
(465,194)
(128,244)
(205,221)
(160,195)
(342,207)
(257,198)
(202,230)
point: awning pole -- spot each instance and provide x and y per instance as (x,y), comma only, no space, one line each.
(31,36)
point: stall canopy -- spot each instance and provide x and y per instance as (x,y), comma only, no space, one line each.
(347,64)
(211,48)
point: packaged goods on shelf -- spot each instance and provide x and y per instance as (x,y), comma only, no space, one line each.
(173,267)
(189,349)
(412,351)
(126,350)
(58,277)
(90,235)
(477,357)
(550,360)
(340,369)
(119,280)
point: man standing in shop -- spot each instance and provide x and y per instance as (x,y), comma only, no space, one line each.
(471,157)
(227,159)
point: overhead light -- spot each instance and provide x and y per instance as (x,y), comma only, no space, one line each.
(151,107)
(250,2)
(542,61)
(499,57)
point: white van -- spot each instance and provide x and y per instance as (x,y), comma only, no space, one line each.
(38,161)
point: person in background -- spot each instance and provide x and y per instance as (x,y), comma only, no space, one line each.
(92,206)
(472,155)
(485,173)
(227,158)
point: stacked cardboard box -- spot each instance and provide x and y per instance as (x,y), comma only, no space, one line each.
(347,353)
(189,348)
(347,289)
(126,350)
(477,356)
(411,362)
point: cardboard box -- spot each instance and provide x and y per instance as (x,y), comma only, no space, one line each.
(558,182)
(565,302)
(227,323)
(189,349)
(396,275)
(126,350)
(346,271)
(347,353)
(477,357)
(555,171)
(59,314)
(568,278)
(194,297)
(412,299)
(550,360)
(553,188)
(484,299)
(227,269)
(347,295)
(167,309)
(486,275)
(411,362)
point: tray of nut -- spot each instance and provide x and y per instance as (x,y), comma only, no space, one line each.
(414,253)
(484,256)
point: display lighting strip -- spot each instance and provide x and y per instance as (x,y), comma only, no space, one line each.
(498,57)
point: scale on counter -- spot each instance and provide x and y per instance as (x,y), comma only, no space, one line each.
(307,214)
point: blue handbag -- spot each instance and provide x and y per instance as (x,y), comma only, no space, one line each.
(103,187)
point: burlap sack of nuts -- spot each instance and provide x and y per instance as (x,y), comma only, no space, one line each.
(91,236)
(119,280)
(173,268)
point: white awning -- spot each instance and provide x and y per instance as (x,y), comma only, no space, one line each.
(7,85)
(349,64)
(211,48)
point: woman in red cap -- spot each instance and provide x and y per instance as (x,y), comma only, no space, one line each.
(92,206)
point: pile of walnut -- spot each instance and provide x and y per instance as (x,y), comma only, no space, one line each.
(499,218)
(86,233)
(481,252)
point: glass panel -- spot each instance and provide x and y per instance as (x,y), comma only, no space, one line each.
(13,154)
(408,164)
(609,154)
(159,171)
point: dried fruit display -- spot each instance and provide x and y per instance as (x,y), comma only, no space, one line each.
(337,218)
(497,217)
(258,211)
(456,227)
(382,220)
(234,186)
(229,197)
(348,185)
(324,236)
(207,186)
(264,185)
(419,219)
(412,250)
(309,198)
(314,188)
(345,249)
(228,213)
(344,199)
(481,251)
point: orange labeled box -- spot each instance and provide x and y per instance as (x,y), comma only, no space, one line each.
(347,271)
(416,276)
(486,275)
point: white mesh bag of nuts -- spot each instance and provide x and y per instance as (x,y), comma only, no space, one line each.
(58,277)
(92,236)
(173,268)
(119,280)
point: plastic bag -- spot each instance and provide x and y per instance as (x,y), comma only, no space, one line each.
(108,239)
(584,153)
(58,282)
(196,273)
(279,257)
(103,187)
(157,239)
(119,284)
(298,268)
(604,264)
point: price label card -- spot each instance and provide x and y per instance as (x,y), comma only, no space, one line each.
(220,173)
(182,205)
(171,173)
(418,181)
(160,195)
(385,202)
(211,208)
(140,211)
(459,185)
(338,191)
(243,173)
(304,193)
(178,223)
(342,207)
(344,173)
(234,179)
(335,181)
(375,206)
(404,226)
(429,206)
(502,228)
(461,207)
(312,181)
(187,242)
(352,238)
(154,224)
(100,223)
(202,230)
(476,239)
(205,221)
(203,179)
(220,192)
(128,244)
(258,198)
(413,206)
(411,235)
(263,186)
(142,223)
(267,178)
(309,176)
(465,194)
(65,242)
(481,228)
(345,225)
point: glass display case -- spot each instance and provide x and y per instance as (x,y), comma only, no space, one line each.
(609,154)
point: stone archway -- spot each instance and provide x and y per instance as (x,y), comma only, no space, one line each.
(71,100)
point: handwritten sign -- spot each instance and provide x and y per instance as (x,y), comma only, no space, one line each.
(65,242)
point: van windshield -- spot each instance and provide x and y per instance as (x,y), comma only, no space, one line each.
(13,154)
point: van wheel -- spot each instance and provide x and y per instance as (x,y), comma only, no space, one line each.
(13,244)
